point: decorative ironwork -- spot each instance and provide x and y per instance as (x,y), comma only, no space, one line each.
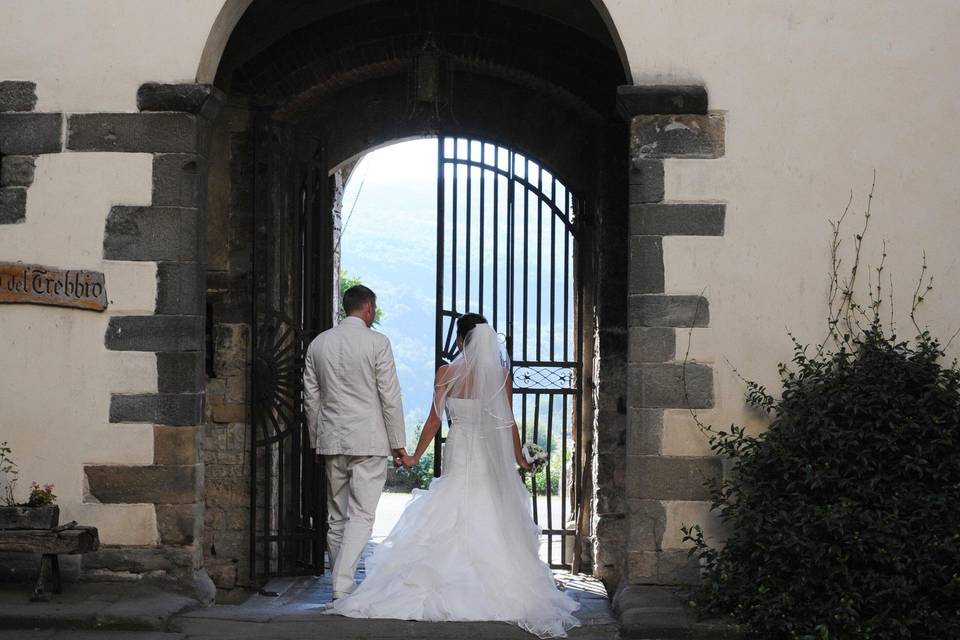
(278,370)
(287,506)
(543,378)
(506,233)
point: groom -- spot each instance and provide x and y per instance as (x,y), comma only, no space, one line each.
(355,420)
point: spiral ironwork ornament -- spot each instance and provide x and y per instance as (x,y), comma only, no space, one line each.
(278,378)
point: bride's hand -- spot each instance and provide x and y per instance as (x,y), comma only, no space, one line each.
(526,466)
(409,461)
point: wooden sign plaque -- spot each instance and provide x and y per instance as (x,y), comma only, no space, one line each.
(36,284)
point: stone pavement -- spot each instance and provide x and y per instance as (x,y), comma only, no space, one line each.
(293,614)
(104,611)
(123,611)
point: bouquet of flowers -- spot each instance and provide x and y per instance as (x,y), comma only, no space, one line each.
(535,456)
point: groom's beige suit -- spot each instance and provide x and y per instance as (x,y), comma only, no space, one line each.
(355,417)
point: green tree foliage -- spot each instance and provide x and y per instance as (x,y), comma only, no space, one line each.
(347,281)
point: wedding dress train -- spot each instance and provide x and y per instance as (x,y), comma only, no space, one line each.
(466,548)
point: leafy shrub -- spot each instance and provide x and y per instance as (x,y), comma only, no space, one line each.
(843,516)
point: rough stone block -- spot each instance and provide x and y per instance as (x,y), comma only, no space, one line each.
(646,181)
(180,523)
(17,95)
(611,431)
(670,477)
(634,100)
(190,98)
(153,233)
(17,171)
(174,409)
(176,445)
(652,344)
(677,219)
(610,484)
(170,559)
(676,136)
(670,385)
(646,522)
(630,596)
(662,567)
(152,132)
(644,431)
(661,612)
(236,389)
(646,264)
(180,372)
(30,134)
(155,333)
(177,179)
(230,344)
(13,205)
(227,493)
(181,288)
(611,530)
(223,572)
(233,412)
(668,311)
(158,484)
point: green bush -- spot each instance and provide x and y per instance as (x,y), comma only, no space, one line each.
(844,516)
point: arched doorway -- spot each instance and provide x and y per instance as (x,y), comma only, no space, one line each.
(312,85)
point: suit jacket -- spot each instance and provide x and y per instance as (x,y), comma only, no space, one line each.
(351,392)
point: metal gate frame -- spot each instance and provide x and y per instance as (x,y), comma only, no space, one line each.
(538,377)
(291,301)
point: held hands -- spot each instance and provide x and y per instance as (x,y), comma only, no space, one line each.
(401,459)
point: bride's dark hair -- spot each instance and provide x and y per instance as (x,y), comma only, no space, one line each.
(467,322)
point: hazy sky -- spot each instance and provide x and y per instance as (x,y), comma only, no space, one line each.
(389,242)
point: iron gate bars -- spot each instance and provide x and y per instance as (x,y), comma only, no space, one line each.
(290,231)
(506,236)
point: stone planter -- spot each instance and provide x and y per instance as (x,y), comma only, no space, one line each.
(21,517)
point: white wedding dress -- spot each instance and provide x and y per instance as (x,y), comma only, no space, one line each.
(466,548)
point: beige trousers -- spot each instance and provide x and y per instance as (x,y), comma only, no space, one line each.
(354,485)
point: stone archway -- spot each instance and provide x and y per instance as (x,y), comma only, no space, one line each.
(199,221)
(552,96)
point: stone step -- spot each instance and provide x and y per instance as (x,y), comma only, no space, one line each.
(651,612)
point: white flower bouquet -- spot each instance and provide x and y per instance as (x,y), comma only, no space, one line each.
(535,456)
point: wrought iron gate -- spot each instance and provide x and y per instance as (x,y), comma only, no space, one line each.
(291,303)
(506,234)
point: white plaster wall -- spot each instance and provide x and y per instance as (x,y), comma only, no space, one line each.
(56,375)
(92,55)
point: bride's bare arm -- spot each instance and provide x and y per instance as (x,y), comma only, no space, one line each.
(517,446)
(430,427)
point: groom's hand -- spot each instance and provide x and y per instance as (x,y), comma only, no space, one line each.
(398,456)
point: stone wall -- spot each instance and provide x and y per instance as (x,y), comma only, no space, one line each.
(660,378)
(226,454)
(226,457)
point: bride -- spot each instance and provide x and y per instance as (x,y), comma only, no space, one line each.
(467,548)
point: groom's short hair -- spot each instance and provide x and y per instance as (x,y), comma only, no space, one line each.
(356,296)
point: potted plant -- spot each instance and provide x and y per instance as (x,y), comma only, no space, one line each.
(38,512)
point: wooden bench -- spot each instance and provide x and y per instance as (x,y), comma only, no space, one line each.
(69,539)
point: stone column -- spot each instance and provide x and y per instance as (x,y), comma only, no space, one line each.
(665,122)
(172,124)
